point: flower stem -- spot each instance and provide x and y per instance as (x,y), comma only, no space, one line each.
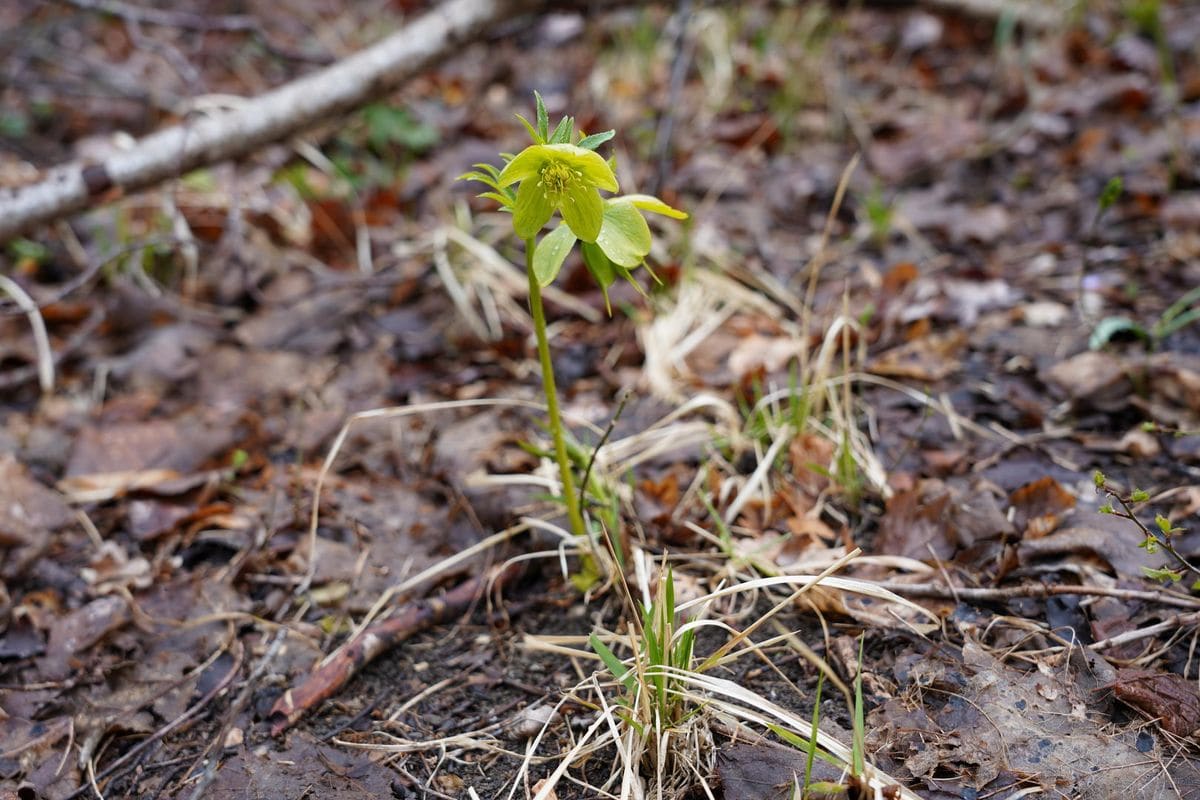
(556,427)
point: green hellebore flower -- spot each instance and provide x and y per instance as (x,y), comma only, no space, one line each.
(560,177)
(621,245)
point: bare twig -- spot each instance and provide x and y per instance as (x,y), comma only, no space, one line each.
(271,117)
(947,592)
(381,636)
(41,341)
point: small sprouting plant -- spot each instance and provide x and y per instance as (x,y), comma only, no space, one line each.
(662,650)
(561,173)
(1159,537)
(1183,312)
(880,214)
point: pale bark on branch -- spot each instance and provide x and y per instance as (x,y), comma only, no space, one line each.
(270,117)
(296,106)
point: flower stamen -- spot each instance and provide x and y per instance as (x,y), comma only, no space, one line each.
(555,176)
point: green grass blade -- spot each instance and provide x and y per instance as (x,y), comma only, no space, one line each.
(618,669)
(812,736)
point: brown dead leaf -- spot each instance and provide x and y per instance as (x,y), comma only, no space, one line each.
(925,138)
(1169,698)
(810,457)
(181,444)
(1137,443)
(763,353)
(79,630)
(930,358)
(1092,379)
(28,510)
(1174,380)
(764,770)
(104,486)
(295,768)
(984,719)
(1040,507)
(937,519)
(1117,545)
(1186,500)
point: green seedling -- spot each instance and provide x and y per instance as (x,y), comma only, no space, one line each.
(1179,315)
(1154,539)
(880,213)
(814,790)
(561,173)
(663,648)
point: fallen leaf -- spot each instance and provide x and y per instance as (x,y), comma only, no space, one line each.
(1040,506)
(1092,380)
(28,510)
(1165,696)
(79,630)
(930,358)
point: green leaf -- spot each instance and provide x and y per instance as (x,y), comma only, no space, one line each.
(533,133)
(624,237)
(532,210)
(1109,327)
(477,176)
(619,670)
(1099,479)
(1166,574)
(601,268)
(632,281)
(814,728)
(1166,328)
(550,254)
(503,199)
(390,125)
(488,168)
(1112,191)
(655,206)
(583,210)
(1163,524)
(1139,496)
(562,134)
(596,139)
(543,119)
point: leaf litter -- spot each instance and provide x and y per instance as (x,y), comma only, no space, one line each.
(169,606)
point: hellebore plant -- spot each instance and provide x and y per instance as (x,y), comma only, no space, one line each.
(562,173)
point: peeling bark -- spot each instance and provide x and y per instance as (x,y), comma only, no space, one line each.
(270,117)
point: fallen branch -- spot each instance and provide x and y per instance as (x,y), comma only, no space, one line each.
(271,117)
(330,676)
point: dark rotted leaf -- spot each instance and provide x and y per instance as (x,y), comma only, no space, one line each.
(1170,698)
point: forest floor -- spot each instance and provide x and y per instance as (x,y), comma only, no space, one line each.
(910,317)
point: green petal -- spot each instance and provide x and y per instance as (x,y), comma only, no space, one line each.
(583,210)
(601,269)
(593,166)
(532,211)
(624,236)
(550,254)
(525,164)
(654,205)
